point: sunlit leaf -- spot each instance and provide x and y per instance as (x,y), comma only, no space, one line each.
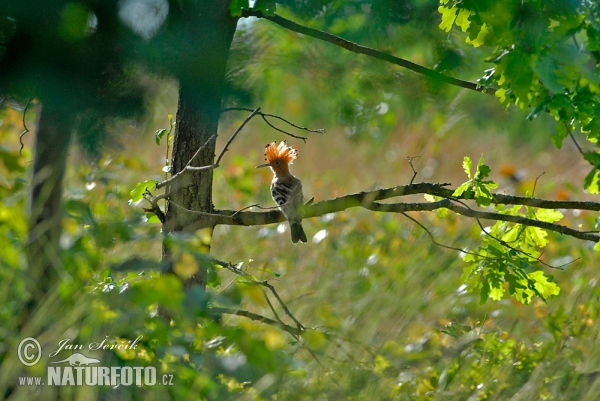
(140,189)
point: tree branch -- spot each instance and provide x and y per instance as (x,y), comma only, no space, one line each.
(259,318)
(183,170)
(575,142)
(264,283)
(265,115)
(589,236)
(356,48)
(368,200)
(188,166)
(25,129)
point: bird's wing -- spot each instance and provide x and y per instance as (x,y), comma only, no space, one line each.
(287,193)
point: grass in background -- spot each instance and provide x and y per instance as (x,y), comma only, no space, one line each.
(376,280)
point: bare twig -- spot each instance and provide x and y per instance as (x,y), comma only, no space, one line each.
(259,207)
(259,318)
(183,170)
(271,306)
(504,243)
(188,166)
(410,159)
(574,140)
(266,284)
(237,131)
(285,132)
(282,304)
(535,184)
(429,233)
(356,48)
(25,129)
(318,131)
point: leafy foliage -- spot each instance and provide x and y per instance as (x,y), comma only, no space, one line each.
(476,188)
(508,257)
(545,56)
(388,315)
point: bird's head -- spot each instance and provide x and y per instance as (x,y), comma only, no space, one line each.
(279,157)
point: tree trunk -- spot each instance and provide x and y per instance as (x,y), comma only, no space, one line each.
(203,63)
(43,250)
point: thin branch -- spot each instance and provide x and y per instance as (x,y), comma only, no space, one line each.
(266,284)
(356,48)
(188,167)
(574,140)
(153,200)
(446,203)
(259,318)
(430,234)
(271,306)
(410,159)
(257,205)
(526,221)
(291,330)
(535,183)
(280,130)
(25,129)
(237,131)
(283,305)
(505,243)
(318,131)
(183,170)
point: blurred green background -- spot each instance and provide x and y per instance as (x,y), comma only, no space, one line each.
(400,322)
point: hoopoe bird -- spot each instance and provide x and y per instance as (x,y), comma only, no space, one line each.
(286,189)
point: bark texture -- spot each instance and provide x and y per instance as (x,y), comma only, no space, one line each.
(209,30)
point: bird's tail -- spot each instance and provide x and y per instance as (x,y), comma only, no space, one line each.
(297,232)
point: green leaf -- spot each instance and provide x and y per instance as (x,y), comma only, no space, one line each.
(593,129)
(544,285)
(538,235)
(482,170)
(484,294)
(539,108)
(448,17)
(560,135)
(518,75)
(545,67)
(152,218)
(138,192)
(159,134)
(467,164)
(236,7)
(549,215)
(462,19)
(593,157)
(461,189)
(496,294)
(591,181)
(483,197)
(12,161)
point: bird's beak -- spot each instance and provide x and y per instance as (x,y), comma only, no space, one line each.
(263,165)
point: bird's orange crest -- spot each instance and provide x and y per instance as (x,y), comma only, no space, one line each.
(281,152)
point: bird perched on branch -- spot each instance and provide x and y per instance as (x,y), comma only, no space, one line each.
(286,189)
